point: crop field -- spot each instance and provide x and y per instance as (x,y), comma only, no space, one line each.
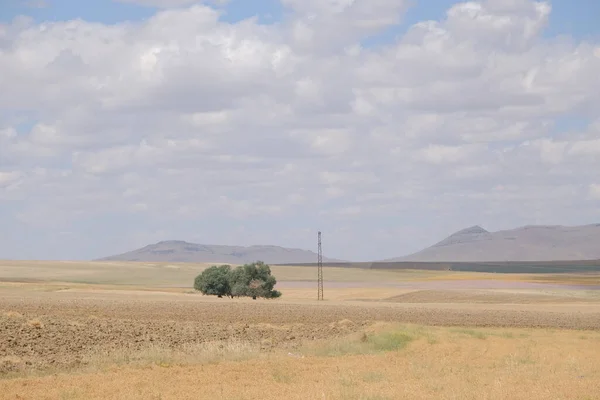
(138,331)
(531,267)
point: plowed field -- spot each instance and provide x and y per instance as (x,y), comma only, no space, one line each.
(58,329)
(137,332)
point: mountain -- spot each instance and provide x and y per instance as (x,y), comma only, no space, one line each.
(528,243)
(180,251)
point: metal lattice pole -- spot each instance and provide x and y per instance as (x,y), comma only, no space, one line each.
(320,271)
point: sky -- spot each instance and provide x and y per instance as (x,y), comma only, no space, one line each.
(386,124)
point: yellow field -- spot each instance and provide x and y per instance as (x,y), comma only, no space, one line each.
(176,274)
(428,363)
(137,331)
(180,275)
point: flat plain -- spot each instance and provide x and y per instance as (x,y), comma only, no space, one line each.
(91,330)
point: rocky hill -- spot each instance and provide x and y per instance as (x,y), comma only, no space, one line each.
(528,243)
(180,251)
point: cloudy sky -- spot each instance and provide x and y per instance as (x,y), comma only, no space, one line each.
(387,124)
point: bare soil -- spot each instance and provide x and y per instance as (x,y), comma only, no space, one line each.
(451,284)
(41,330)
(483,297)
(134,331)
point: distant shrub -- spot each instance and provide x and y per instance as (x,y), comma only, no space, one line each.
(249,280)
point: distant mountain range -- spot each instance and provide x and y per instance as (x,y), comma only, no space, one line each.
(528,243)
(180,251)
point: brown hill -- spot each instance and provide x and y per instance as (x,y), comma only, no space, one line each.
(180,251)
(528,243)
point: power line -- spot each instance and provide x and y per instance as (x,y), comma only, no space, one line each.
(320,271)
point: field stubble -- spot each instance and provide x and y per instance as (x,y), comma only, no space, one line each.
(76,341)
(61,329)
(378,361)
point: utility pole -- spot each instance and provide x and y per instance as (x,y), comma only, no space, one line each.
(320,271)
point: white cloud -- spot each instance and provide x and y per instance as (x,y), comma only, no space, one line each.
(439,154)
(499,24)
(550,151)
(334,25)
(595,191)
(8,178)
(171,3)
(189,127)
(586,148)
(8,133)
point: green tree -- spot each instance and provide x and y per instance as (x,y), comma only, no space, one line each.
(214,281)
(253,280)
(238,282)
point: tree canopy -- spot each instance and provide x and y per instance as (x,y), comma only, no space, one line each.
(250,280)
(214,281)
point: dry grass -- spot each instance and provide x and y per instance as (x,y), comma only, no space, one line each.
(35,323)
(134,334)
(12,314)
(344,294)
(387,362)
(592,278)
(189,354)
(12,364)
(574,279)
(507,296)
(165,275)
(178,275)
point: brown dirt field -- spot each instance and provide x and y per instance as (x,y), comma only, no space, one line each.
(61,328)
(179,275)
(475,339)
(483,297)
(41,340)
(440,363)
(134,331)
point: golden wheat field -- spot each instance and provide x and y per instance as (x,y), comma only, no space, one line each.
(138,331)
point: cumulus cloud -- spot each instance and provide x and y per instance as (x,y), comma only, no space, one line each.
(8,178)
(171,3)
(332,25)
(189,127)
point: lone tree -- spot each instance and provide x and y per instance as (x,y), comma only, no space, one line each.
(251,280)
(214,281)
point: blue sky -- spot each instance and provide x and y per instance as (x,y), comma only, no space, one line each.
(577,18)
(401,145)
